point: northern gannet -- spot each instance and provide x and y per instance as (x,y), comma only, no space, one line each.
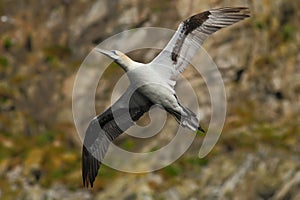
(153,84)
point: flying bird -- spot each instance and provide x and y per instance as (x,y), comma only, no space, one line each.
(153,84)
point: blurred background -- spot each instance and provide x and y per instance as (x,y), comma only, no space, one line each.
(43,43)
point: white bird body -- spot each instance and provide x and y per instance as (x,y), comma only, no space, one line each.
(153,84)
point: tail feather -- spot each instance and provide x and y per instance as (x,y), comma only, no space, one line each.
(187,119)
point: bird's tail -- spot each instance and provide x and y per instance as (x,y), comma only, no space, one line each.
(187,119)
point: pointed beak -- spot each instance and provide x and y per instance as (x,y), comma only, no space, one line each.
(109,54)
(105,52)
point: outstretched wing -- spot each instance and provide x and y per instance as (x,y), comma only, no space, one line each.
(103,129)
(190,35)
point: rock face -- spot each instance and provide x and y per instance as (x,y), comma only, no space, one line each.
(42,45)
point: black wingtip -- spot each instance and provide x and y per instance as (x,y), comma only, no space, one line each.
(91,183)
(86,173)
(87,183)
(238,11)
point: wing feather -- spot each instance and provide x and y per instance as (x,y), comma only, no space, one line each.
(191,34)
(103,129)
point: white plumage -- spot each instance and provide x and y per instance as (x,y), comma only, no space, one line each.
(152,84)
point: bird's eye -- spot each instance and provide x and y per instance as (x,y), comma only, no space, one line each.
(115,52)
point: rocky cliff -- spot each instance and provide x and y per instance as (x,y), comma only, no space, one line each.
(42,45)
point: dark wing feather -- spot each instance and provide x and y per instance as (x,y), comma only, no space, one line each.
(103,129)
(190,35)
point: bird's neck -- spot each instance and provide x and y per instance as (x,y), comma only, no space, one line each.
(126,63)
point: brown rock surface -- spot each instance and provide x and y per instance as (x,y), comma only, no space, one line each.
(42,44)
